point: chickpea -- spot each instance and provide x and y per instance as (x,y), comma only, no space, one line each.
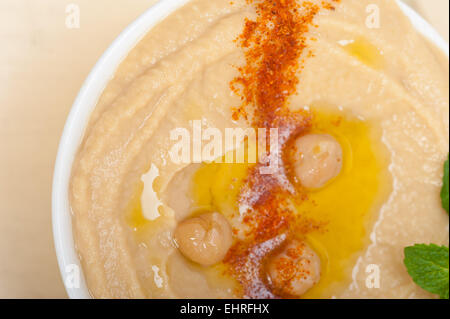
(317,159)
(294,270)
(204,239)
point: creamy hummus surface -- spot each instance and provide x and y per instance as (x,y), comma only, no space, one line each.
(376,87)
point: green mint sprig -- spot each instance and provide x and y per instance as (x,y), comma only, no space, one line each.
(428,264)
(428,267)
(444,191)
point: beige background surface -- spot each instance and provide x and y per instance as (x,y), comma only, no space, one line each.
(42,66)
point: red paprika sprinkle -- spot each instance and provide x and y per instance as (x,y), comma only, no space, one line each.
(275,45)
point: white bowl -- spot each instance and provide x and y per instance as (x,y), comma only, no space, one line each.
(85,103)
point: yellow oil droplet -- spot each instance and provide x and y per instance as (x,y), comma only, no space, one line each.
(349,205)
(316,150)
(134,217)
(366,52)
(217,185)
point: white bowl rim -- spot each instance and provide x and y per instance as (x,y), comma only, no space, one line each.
(86,101)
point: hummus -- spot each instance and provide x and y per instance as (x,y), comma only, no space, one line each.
(381,90)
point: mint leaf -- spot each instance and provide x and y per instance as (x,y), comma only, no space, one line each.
(444,192)
(428,267)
